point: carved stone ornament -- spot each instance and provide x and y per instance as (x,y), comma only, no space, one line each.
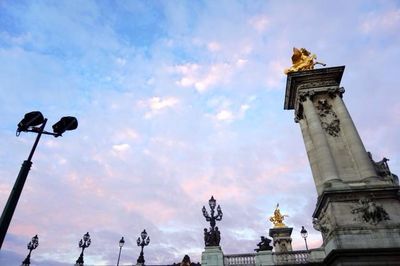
(383,170)
(336,91)
(318,84)
(329,120)
(323,224)
(304,94)
(369,211)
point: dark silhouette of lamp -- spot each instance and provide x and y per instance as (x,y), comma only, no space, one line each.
(32,122)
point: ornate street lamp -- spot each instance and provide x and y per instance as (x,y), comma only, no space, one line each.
(33,244)
(32,122)
(83,243)
(121,244)
(213,237)
(144,241)
(304,234)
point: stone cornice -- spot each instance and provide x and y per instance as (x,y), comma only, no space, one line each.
(317,78)
(353,195)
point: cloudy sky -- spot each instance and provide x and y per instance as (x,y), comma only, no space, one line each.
(177,101)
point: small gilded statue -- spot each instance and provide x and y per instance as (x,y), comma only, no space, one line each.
(302,60)
(277,218)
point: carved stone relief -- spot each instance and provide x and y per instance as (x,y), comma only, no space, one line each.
(304,94)
(323,224)
(336,91)
(383,170)
(318,84)
(369,211)
(329,120)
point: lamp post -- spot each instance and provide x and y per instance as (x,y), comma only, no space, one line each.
(121,244)
(34,243)
(213,237)
(83,243)
(32,122)
(144,241)
(304,235)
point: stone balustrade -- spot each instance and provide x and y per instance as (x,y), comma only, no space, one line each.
(279,258)
(240,259)
(292,257)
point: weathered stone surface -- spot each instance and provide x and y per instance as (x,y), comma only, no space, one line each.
(212,256)
(358,208)
(281,237)
(264,258)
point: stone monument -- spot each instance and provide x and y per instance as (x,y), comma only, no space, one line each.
(280,233)
(358,205)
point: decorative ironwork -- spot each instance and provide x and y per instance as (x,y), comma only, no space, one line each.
(263,245)
(213,236)
(83,243)
(142,241)
(33,244)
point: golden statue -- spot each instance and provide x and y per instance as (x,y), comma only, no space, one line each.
(277,218)
(302,60)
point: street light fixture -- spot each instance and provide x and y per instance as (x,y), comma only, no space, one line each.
(121,244)
(83,243)
(33,244)
(212,237)
(32,122)
(304,234)
(142,243)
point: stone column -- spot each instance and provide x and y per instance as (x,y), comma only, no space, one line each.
(326,163)
(311,155)
(356,146)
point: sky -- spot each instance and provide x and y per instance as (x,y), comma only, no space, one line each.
(177,101)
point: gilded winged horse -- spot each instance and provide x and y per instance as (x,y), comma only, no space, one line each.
(302,59)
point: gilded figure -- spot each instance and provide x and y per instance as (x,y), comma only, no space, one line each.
(277,218)
(302,59)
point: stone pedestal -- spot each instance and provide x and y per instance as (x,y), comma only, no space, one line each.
(212,256)
(360,223)
(264,258)
(281,237)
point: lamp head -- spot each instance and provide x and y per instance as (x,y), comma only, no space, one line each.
(121,242)
(303,232)
(31,119)
(143,234)
(65,123)
(212,202)
(86,237)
